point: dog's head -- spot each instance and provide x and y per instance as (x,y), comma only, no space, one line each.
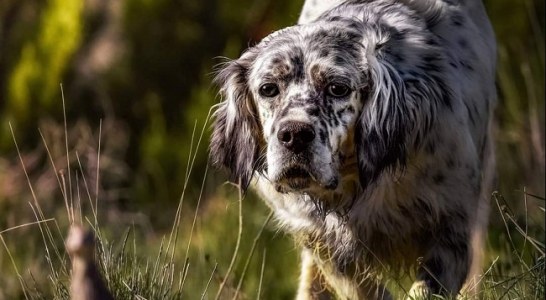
(313,104)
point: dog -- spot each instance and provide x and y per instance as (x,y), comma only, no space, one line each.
(366,128)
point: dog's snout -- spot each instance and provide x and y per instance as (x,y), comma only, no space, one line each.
(295,136)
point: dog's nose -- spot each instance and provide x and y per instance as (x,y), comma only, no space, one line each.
(295,136)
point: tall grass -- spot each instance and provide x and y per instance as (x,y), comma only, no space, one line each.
(126,263)
(519,271)
(131,271)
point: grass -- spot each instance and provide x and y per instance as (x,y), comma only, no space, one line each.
(227,258)
(219,248)
(520,273)
(181,266)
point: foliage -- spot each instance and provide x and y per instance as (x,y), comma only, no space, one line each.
(43,59)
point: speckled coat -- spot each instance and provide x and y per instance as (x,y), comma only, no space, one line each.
(366,128)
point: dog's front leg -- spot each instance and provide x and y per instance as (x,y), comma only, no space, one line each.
(443,271)
(311,286)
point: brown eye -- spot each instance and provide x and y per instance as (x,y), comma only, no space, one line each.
(269,90)
(337,90)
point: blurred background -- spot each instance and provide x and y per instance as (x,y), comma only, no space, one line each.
(136,76)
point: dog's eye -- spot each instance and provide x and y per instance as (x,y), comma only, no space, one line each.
(269,90)
(337,90)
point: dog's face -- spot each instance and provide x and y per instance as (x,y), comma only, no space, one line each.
(311,105)
(307,89)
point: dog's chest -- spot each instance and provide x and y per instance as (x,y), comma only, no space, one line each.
(364,233)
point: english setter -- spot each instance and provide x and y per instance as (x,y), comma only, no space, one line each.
(366,129)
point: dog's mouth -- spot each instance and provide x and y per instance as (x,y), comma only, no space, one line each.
(293,178)
(298,178)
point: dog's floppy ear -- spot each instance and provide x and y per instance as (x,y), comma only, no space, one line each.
(235,137)
(381,131)
(399,110)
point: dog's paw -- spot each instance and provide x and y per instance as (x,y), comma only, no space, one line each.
(419,291)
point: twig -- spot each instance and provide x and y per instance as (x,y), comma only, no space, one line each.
(261,276)
(238,243)
(247,263)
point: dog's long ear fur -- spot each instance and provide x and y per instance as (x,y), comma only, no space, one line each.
(400,108)
(381,133)
(235,137)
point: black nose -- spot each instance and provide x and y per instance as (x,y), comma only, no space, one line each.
(295,136)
